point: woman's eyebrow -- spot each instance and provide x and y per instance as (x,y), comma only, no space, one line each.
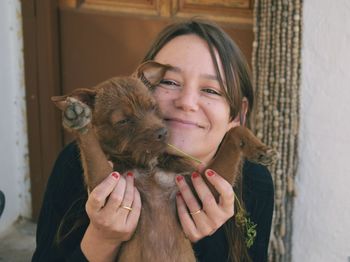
(206,76)
(210,77)
(175,69)
(213,78)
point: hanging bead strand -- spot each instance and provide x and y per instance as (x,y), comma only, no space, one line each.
(276,78)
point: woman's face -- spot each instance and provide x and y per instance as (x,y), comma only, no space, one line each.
(191,99)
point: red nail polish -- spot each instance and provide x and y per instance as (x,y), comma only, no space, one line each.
(178,194)
(179,178)
(129,174)
(115,175)
(210,173)
(195,175)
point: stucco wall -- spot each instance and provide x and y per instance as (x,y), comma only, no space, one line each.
(322,207)
(14,175)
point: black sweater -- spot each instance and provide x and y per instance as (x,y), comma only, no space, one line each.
(66,196)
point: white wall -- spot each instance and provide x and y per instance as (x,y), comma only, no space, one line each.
(322,207)
(14,170)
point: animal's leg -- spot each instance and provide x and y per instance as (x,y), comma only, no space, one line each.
(240,142)
(253,149)
(77,118)
(227,161)
(95,162)
(265,156)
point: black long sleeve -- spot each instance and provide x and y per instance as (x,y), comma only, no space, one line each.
(65,194)
(65,191)
(258,197)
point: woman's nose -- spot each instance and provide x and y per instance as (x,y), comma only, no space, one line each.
(187,100)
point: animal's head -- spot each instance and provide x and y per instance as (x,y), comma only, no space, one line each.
(251,147)
(125,115)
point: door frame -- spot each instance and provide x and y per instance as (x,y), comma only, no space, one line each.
(41,65)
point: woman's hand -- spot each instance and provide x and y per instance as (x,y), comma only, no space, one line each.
(114,208)
(199,220)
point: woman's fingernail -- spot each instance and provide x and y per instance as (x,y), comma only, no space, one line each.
(195,174)
(179,178)
(115,175)
(129,174)
(210,172)
(178,194)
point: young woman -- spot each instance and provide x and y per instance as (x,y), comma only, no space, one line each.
(205,93)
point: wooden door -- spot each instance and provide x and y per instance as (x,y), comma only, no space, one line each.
(79,43)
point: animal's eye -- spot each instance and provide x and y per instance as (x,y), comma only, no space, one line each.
(241,144)
(123,121)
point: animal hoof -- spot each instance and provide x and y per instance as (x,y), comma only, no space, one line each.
(77,115)
(269,157)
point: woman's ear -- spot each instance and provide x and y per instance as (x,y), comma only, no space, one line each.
(244,111)
(151,73)
(240,119)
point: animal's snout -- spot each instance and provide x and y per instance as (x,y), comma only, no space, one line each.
(161,133)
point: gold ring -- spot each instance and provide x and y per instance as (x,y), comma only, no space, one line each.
(196,212)
(127,208)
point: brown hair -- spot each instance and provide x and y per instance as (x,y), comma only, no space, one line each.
(236,82)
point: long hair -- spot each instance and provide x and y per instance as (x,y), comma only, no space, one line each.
(236,83)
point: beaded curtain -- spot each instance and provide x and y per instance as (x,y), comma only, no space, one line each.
(276,75)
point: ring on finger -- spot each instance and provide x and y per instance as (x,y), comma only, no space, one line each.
(127,208)
(196,212)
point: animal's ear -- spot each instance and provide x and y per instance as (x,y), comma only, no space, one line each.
(85,95)
(151,73)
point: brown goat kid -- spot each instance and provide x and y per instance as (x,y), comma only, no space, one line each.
(118,121)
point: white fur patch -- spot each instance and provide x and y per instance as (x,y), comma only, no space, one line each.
(165,179)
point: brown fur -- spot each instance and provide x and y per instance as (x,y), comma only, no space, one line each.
(118,121)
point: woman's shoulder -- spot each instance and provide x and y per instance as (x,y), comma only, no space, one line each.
(257,178)
(67,174)
(69,156)
(68,161)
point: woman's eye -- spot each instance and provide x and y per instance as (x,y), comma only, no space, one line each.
(169,83)
(211,91)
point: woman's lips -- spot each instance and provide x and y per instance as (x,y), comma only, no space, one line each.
(182,122)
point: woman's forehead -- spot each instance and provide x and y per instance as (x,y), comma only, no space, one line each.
(190,53)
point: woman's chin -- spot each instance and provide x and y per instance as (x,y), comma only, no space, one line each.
(177,146)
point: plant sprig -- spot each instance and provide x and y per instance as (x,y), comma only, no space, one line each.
(184,153)
(243,221)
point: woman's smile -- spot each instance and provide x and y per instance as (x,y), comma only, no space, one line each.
(174,122)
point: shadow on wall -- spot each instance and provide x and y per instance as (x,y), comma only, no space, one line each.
(2,202)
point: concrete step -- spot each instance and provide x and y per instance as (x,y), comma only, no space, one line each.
(17,243)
